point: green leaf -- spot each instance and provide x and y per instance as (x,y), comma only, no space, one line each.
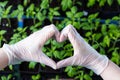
(115,57)
(49,54)
(8,10)
(33,77)
(98,36)
(93,16)
(79,15)
(87,27)
(106,40)
(57,55)
(56,13)
(14,13)
(87,77)
(95,46)
(20,15)
(113,27)
(110,2)
(116,17)
(57,77)
(79,3)
(3,78)
(66,4)
(32,65)
(118,2)
(9,77)
(88,34)
(102,2)
(3,4)
(107,21)
(69,14)
(56,8)
(2,32)
(36,77)
(50,18)
(74,9)
(104,29)
(40,16)
(70,71)
(44,4)
(11,67)
(25,2)
(102,51)
(90,3)
(20,8)
(31,7)
(91,73)
(76,25)
(48,42)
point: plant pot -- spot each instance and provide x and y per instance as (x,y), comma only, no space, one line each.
(7,70)
(26,77)
(96,77)
(9,25)
(61,79)
(62,76)
(24,68)
(47,69)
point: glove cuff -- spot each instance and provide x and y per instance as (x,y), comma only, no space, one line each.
(9,50)
(99,64)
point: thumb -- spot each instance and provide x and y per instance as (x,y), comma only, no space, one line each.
(70,32)
(47,61)
(65,62)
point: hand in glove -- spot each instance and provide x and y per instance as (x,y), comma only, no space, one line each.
(30,48)
(84,54)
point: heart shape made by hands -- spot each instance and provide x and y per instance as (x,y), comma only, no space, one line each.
(69,32)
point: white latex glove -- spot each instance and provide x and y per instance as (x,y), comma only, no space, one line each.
(84,54)
(29,49)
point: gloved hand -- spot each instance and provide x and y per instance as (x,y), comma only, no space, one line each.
(84,54)
(30,48)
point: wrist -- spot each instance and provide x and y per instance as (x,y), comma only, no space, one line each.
(3,59)
(111,69)
(98,64)
(95,61)
(10,52)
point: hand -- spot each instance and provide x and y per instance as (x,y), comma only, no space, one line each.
(30,48)
(84,54)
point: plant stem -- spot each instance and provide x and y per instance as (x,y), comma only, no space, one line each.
(9,23)
(115,42)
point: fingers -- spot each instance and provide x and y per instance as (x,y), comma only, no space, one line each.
(65,62)
(56,32)
(70,32)
(47,61)
(50,31)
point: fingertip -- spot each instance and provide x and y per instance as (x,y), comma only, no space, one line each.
(63,38)
(63,35)
(54,67)
(69,25)
(47,61)
(52,64)
(59,65)
(52,24)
